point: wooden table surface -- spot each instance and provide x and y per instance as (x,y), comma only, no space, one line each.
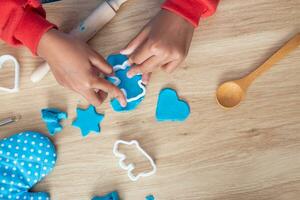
(251,152)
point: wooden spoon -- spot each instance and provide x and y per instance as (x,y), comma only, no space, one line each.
(231,93)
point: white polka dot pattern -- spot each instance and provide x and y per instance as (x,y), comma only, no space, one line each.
(25,159)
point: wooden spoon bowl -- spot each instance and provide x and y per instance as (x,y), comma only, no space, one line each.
(230,94)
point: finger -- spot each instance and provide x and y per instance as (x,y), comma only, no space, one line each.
(146,67)
(136,42)
(100,63)
(111,89)
(146,78)
(171,66)
(100,74)
(141,54)
(92,97)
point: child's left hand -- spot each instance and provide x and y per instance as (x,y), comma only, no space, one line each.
(163,43)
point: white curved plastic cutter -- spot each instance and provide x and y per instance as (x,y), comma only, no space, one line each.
(131,166)
(4,59)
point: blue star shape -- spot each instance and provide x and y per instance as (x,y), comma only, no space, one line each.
(88,120)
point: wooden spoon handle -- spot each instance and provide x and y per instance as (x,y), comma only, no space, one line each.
(280,54)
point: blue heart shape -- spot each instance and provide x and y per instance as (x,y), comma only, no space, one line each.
(25,159)
(170,107)
(133,88)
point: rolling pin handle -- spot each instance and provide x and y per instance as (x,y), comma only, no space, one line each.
(40,72)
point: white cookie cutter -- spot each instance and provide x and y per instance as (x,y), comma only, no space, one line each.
(4,59)
(117,81)
(131,166)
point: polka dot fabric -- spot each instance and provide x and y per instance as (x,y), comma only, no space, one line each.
(25,159)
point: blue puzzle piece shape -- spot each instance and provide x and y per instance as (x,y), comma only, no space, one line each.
(88,120)
(25,159)
(133,88)
(170,107)
(52,118)
(110,196)
(150,197)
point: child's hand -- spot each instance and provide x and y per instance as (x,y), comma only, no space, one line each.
(164,42)
(76,66)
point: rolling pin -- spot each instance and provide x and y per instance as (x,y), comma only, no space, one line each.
(85,30)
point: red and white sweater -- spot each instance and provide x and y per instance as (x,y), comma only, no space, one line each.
(23,22)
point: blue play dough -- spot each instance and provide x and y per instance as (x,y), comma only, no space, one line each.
(150,197)
(52,118)
(110,196)
(170,107)
(88,120)
(130,85)
(25,159)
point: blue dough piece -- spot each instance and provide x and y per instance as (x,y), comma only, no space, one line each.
(25,159)
(133,88)
(52,118)
(88,120)
(110,196)
(170,107)
(150,197)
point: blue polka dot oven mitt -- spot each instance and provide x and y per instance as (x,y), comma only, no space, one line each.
(25,159)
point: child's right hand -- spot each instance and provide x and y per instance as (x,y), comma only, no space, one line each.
(76,66)
(163,43)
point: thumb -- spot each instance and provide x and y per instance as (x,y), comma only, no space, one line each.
(136,42)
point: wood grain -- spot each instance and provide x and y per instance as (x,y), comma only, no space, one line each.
(251,152)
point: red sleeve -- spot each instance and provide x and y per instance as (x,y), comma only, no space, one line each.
(192,10)
(22,22)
